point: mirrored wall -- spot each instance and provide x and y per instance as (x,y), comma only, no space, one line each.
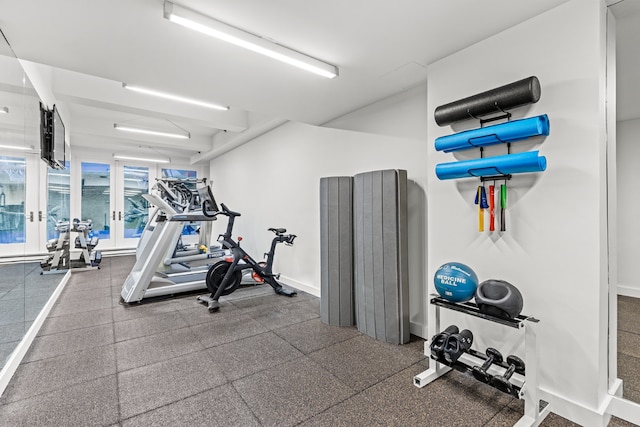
(28,217)
(627,20)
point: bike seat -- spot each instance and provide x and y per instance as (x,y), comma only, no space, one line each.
(278,230)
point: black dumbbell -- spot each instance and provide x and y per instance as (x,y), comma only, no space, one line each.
(502,382)
(457,344)
(439,340)
(480,372)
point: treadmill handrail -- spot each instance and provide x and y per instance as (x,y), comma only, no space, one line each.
(168,210)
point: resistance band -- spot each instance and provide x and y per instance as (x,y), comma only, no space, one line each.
(481,201)
(503,206)
(492,208)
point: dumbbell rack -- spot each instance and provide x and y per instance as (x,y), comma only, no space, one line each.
(535,410)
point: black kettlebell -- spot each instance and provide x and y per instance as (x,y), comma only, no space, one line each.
(439,340)
(502,382)
(499,298)
(480,372)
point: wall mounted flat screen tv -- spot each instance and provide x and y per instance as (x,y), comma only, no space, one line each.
(59,148)
(45,134)
(52,145)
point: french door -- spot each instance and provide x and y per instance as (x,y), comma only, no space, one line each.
(131,210)
(111,196)
(34,199)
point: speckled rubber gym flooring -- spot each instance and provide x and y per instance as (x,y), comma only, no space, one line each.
(263,360)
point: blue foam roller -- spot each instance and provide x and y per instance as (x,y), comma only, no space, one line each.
(525,162)
(504,132)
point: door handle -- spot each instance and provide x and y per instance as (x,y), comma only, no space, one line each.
(40,216)
(113,215)
(119,215)
(31,216)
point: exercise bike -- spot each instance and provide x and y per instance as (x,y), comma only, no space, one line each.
(225,276)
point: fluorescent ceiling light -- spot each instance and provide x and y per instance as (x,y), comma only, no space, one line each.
(140,158)
(125,128)
(174,97)
(4,110)
(17,147)
(238,37)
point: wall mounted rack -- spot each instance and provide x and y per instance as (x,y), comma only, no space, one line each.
(495,178)
(498,100)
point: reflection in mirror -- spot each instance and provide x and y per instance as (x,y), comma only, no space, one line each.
(96,196)
(629,346)
(23,290)
(136,208)
(627,17)
(58,192)
(13,323)
(12,198)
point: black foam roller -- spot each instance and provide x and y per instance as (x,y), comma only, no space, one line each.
(516,94)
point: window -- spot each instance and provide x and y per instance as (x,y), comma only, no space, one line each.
(12,199)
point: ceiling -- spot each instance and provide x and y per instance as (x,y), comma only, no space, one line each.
(380,47)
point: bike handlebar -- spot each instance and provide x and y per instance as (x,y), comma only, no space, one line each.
(280,237)
(227,212)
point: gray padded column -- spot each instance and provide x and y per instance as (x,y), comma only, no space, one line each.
(380,255)
(336,248)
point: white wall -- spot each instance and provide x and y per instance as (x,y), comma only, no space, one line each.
(402,115)
(274,182)
(628,207)
(554,249)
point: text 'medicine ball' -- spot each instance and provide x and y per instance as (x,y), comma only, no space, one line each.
(456,282)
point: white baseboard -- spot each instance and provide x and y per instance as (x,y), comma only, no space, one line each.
(300,286)
(620,407)
(414,328)
(577,412)
(418,330)
(117,252)
(39,256)
(18,354)
(629,291)
(22,258)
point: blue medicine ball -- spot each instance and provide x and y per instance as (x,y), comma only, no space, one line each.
(456,282)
